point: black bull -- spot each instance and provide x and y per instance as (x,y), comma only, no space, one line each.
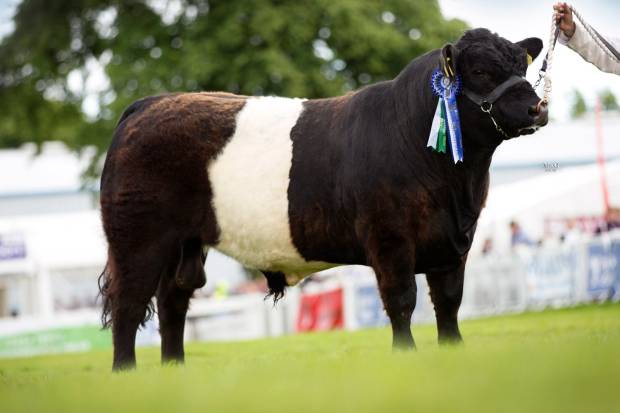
(361,188)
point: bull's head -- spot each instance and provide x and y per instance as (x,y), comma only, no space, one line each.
(496,99)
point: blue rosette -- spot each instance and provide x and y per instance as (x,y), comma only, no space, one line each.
(447,121)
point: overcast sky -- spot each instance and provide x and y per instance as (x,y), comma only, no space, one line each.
(514,20)
(7,8)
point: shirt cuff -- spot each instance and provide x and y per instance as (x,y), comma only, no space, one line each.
(565,40)
(579,39)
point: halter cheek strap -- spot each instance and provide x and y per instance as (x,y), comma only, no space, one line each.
(486,102)
(495,93)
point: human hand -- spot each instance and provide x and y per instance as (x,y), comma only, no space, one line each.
(563,15)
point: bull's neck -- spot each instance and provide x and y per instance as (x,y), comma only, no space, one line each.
(414,106)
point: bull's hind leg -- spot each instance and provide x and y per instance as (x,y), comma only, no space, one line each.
(394,268)
(173,295)
(446,290)
(172,305)
(130,291)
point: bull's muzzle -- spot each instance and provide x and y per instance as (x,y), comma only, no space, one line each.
(540,115)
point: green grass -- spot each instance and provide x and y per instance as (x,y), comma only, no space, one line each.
(563,360)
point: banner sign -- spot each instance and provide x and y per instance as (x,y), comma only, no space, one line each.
(369,307)
(603,270)
(57,340)
(550,277)
(321,311)
(12,247)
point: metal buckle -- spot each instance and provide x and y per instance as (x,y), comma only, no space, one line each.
(486,106)
(541,75)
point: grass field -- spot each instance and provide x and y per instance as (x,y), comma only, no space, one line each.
(561,360)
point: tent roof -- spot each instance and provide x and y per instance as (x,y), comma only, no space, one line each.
(565,143)
(55,169)
(59,240)
(567,193)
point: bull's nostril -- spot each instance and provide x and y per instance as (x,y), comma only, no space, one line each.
(532,110)
(541,107)
(542,117)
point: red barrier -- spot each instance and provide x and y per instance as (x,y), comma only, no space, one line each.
(321,311)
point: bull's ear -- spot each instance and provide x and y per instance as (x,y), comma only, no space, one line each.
(448,60)
(533,46)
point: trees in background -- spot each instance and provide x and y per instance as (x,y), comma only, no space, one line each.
(608,100)
(71,67)
(579,107)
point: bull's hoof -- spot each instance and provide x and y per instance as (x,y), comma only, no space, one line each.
(120,366)
(403,343)
(450,339)
(173,360)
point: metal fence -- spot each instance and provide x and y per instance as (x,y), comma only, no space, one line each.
(347,297)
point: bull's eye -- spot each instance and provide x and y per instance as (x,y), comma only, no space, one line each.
(479,72)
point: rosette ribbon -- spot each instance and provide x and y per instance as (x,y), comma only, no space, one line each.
(446,126)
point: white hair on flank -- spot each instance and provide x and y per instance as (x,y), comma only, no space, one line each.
(250,180)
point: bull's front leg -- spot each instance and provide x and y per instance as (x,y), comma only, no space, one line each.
(395,271)
(446,290)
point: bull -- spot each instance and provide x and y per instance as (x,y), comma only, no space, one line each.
(290,187)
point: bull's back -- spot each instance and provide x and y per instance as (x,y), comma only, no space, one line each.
(169,134)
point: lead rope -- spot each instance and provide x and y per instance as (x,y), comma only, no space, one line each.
(598,39)
(545,69)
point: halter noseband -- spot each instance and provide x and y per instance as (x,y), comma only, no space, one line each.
(486,102)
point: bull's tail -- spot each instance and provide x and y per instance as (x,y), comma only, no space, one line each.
(139,106)
(104,287)
(108,283)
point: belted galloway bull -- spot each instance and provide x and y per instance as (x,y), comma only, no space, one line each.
(290,187)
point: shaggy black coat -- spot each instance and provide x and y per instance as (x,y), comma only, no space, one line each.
(364,189)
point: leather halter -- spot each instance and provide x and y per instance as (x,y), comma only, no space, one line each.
(491,98)
(486,102)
